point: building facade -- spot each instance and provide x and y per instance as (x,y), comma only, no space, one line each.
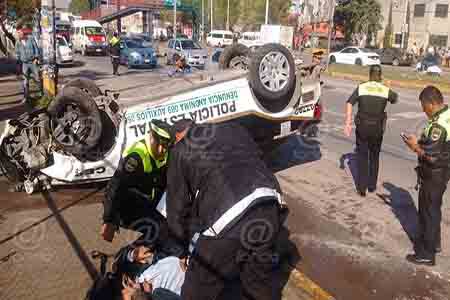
(424,22)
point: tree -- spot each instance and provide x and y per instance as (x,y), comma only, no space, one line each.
(78,6)
(387,40)
(360,18)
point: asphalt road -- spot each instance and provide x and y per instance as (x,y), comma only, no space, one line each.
(352,247)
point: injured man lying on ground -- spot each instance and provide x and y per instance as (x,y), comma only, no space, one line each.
(146,275)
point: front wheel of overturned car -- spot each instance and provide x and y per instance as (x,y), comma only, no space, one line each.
(75,121)
(86,85)
(234,57)
(272,76)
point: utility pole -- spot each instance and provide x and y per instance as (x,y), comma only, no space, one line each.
(331,26)
(228,15)
(212,16)
(174,19)
(267,12)
(203,20)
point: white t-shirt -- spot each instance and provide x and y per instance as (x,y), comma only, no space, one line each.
(166,274)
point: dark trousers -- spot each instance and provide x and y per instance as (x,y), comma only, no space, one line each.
(430,202)
(241,264)
(115,63)
(368,153)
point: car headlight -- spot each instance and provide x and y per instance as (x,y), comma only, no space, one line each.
(135,55)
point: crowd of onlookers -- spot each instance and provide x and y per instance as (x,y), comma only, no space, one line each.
(441,54)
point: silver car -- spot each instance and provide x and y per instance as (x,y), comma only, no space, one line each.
(195,55)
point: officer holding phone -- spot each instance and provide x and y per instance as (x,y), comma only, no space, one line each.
(372,98)
(433,152)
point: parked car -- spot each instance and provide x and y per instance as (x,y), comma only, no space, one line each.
(395,57)
(64,55)
(89,37)
(145,37)
(355,55)
(135,53)
(250,39)
(195,55)
(219,38)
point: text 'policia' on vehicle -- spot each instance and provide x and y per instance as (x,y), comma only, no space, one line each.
(81,136)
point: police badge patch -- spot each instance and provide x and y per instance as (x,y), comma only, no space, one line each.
(435,134)
(131,164)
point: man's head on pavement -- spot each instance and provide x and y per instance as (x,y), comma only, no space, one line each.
(180,128)
(161,138)
(432,100)
(375,73)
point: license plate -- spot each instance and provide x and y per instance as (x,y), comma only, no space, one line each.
(285,128)
(147,61)
(98,50)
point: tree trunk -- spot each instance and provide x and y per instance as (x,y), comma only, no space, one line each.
(3,48)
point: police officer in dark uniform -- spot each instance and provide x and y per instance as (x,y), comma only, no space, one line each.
(223,204)
(114,50)
(137,185)
(372,98)
(433,150)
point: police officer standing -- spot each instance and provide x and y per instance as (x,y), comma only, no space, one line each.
(433,150)
(114,48)
(372,98)
(138,184)
(223,204)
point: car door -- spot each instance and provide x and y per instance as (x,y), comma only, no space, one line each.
(387,57)
(343,57)
(178,49)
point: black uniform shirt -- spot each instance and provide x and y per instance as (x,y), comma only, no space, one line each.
(210,170)
(372,98)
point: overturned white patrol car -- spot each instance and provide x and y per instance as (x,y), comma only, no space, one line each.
(81,136)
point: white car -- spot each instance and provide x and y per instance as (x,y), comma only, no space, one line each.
(82,135)
(355,56)
(251,39)
(64,55)
(219,38)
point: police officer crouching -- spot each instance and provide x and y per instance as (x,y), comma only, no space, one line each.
(137,185)
(372,98)
(432,150)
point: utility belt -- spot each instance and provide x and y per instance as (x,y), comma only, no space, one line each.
(234,212)
(427,173)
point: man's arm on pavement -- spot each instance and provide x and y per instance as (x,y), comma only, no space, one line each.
(129,167)
(178,198)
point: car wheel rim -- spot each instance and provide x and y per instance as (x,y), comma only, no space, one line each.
(238,63)
(274,71)
(70,126)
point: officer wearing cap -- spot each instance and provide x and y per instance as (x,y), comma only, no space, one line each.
(372,97)
(432,150)
(137,185)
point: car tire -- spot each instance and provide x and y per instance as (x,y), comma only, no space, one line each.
(74,109)
(238,53)
(395,62)
(358,62)
(273,94)
(86,85)
(332,59)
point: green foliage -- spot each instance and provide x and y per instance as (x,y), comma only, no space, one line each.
(360,17)
(78,6)
(387,41)
(22,11)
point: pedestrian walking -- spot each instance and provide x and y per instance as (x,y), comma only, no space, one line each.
(372,98)
(223,203)
(432,150)
(114,50)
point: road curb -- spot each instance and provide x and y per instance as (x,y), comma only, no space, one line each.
(389,82)
(301,281)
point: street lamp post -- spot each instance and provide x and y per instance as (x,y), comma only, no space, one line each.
(203,20)
(174,19)
(228,15)
(267,12)
(212,15)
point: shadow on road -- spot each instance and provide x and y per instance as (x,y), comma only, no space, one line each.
(292,151)
(352,163)
(403,207)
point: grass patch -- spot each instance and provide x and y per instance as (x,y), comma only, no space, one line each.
(398,76)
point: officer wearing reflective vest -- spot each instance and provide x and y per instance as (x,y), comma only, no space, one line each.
(138,184)
(433,151)
(372,98)
(223,205)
